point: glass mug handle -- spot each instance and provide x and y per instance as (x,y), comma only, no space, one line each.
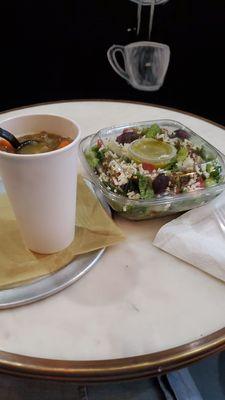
(111,54)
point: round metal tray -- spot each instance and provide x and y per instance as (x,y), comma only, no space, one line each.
(51,284)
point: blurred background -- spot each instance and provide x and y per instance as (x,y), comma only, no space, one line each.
(56,50)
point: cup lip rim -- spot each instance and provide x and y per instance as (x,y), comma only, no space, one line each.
(147,43)
(49,153)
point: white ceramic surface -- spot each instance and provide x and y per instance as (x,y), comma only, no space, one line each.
(138,299)
(42,187)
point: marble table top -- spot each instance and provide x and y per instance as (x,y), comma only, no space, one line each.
(137,299)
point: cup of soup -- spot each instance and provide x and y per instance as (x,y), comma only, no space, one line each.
(40,179)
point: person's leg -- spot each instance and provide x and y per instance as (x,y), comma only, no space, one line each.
(209,376)
(182,385)
(16,388)
(147,389)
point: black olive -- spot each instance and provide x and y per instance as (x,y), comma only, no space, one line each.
(128,136)
(181,134)
(160,183)
(10,138)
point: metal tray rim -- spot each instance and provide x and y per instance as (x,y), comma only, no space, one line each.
(51,284)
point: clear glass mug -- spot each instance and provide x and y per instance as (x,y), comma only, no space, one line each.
(145,63)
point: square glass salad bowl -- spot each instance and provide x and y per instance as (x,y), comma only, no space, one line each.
(153,168)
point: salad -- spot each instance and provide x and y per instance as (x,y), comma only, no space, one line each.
(148,162)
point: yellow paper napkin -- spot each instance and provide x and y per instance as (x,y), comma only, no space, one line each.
(18,265)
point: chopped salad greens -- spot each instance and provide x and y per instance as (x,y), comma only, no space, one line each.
(191,167)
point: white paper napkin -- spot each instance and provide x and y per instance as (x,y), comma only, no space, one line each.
(197,238)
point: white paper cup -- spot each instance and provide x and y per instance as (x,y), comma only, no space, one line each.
(42,187)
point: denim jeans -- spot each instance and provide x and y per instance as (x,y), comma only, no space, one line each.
(173,386)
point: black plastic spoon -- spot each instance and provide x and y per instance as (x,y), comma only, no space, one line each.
(13,140)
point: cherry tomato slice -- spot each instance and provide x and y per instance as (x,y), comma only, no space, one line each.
(149,167)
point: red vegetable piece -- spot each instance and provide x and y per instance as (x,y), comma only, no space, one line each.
(5,145)
(200,183)
(99,143)
(148,167)
(63,143)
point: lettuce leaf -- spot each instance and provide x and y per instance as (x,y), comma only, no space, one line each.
(145,189)
(152,131)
